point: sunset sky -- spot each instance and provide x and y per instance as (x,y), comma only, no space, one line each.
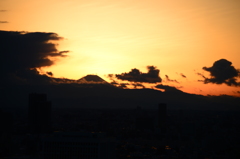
(115,36)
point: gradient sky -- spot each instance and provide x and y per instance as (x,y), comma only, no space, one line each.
(113,36)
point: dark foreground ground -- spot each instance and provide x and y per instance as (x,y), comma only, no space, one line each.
(136,132)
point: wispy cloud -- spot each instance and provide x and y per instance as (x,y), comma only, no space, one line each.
(170,80)
(3,21)
(183,75)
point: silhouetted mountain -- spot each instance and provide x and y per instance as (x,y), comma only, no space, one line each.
(108,96)
(92,79)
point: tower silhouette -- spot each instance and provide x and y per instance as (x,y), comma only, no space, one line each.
(39,113)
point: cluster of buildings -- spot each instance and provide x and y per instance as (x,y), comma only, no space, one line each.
(44,142)
(63,145)
(120,134)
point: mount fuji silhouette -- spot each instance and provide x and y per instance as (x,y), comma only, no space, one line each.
(92,79)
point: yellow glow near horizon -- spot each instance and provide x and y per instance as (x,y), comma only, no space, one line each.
(112,36)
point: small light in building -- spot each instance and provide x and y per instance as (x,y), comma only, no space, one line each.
(154,148)
(167,148)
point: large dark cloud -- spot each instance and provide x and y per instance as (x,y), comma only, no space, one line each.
(28,50)
(152,76)
(221,72)
(22,52)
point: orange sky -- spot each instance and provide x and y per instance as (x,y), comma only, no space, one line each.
(112,36)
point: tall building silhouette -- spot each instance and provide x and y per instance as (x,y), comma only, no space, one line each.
(162,115)
(39,113)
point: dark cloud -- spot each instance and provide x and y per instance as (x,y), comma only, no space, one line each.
(49,73)
(123,85)
(28,76)
(3,21)
(170,80)
(221,72)
(168,88)
(2,10)
(114,82)
(152,76)
(137,85)
(22,52)
(200,74)
(236,92)
(119,85)
(110,75)
(183,75)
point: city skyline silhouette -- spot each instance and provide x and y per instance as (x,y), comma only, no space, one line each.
(108,79)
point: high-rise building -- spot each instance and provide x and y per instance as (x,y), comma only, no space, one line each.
(162,115)
(39,113)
